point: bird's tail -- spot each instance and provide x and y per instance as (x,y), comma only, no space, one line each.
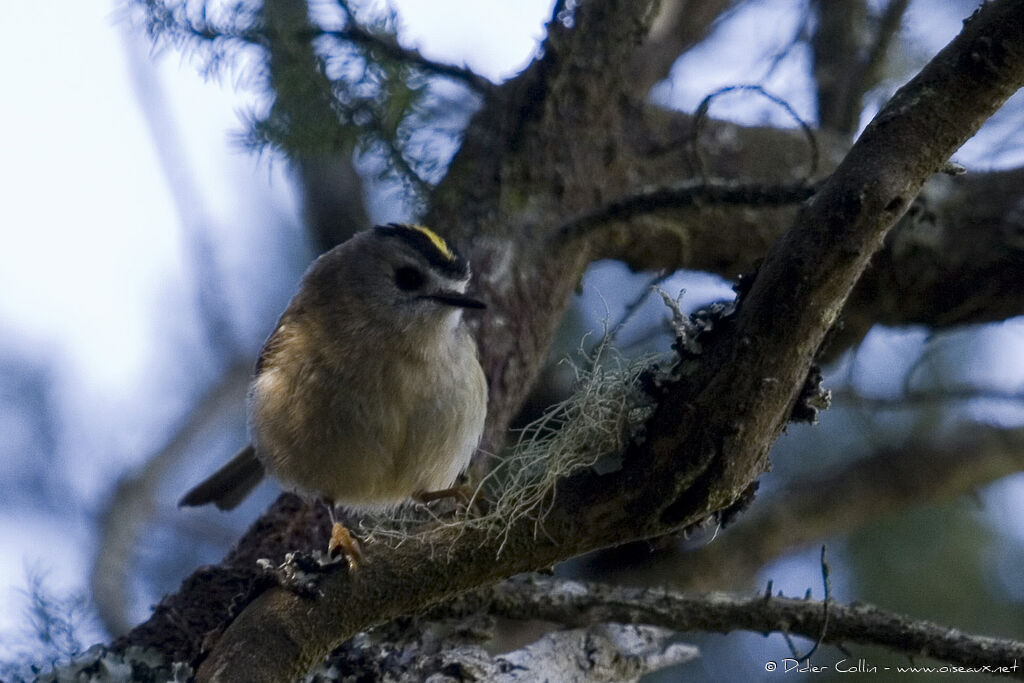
(228,486)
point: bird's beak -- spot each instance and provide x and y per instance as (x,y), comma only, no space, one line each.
(450,298)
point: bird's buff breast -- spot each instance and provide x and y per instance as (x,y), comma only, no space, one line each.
(412,428)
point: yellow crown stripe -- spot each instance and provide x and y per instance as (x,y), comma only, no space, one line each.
(436,240)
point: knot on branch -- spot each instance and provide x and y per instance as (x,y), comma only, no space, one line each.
(692,335)
(813,398)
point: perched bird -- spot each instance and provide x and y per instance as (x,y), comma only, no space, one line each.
(369,392)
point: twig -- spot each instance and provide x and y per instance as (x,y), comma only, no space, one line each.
(631,308)
(701,115)
(825,574)
(783,53)
(417,185)
(355,33)
(181,25)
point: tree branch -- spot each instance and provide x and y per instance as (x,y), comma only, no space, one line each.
(575,603)
(697,195)
(131,503)
(952,259)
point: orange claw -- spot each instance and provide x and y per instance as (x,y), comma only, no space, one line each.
(342,541)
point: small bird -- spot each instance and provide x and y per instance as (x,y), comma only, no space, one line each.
(369,392)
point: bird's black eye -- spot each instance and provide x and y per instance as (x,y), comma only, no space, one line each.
(409,278)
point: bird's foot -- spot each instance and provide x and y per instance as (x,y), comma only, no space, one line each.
(344,544)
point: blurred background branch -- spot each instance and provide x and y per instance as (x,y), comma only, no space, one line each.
(577,603)
(835,503)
